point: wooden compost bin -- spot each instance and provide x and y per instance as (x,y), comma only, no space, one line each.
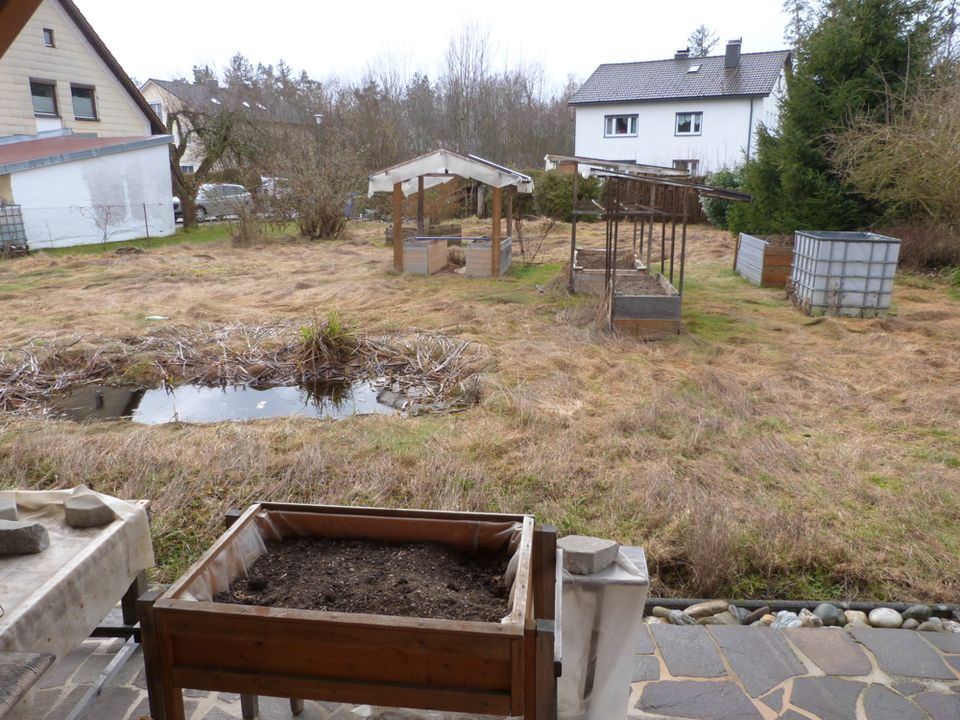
(464,666)
(478,252)
(589,268)
(646,306)
(424,255)
(765,260)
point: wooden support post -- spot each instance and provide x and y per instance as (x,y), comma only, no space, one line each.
(397,227)
(511,191)
(573,222)
(420,206)
(495,237)
(249,706)
(151,654)
(296,706)
(545,572)
(546,675)
(683,241)
(128,603)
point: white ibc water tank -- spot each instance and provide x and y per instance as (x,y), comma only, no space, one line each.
(600,625)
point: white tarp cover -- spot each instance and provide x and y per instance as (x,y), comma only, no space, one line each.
(600,625)
(448,165)
(53,600)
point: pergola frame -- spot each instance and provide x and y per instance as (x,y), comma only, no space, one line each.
(441,166)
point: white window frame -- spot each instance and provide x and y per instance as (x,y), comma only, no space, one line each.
(696,123)
(52,43)
(609,121)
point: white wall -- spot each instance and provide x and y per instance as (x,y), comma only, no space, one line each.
(63,203)
(723,140)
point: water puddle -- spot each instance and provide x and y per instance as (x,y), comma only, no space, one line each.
(201,404)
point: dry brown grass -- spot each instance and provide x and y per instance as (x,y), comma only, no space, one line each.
(758,454)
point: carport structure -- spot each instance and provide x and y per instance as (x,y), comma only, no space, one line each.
(438,167)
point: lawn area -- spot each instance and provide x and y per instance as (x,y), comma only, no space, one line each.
(761,453)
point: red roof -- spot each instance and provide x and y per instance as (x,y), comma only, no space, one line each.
(27,150)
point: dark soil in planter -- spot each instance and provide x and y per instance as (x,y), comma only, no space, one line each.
(425,580)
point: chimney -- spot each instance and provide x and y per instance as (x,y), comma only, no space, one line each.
(682,54)
(731,60)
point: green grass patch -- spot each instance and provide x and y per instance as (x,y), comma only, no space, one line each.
(886,482)
(534,274)
(710,326)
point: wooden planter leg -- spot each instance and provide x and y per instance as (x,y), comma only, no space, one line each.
(546,681)
(128,603)
(151,654)
(296,706)
(249,706)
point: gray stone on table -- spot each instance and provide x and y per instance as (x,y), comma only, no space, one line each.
(882,703)
(726,618)
(887,618)
(8,509)
(710,607)
(660,611)
(644,644)
(832,651)
(645,667)
(939,707)
(688,651)
(22,537)
(857,618)
(945,642)
(910,624)
(86,511)
(774,700)
(584,555)
(904,652)
(759,656)
(827,697)
(934,624)
(741,614)
(830,615)
(809,620)
(756,615)
(785,619)
(920,613)
(678,617)
(717,700)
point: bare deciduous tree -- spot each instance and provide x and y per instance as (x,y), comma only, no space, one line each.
(702,41)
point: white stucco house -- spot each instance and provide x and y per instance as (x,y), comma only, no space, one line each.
(698,114)
(82,155)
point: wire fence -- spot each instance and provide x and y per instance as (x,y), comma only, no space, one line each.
(44,227)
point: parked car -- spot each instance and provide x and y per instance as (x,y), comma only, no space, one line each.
(216,200)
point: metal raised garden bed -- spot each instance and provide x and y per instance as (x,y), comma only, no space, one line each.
(765,260)
(504,668)
(646,306)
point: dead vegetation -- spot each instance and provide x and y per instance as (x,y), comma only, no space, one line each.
(440,372)
(757,455)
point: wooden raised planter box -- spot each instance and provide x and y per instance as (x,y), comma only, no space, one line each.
(589,268)
(646,306)
(765,260)
(465,666)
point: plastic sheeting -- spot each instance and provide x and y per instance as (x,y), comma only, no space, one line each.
(601,622)
(230,560)
(53,600)
(442,166)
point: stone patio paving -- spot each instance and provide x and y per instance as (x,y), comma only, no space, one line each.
(701,672)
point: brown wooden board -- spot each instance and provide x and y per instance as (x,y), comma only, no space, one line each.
(461,666)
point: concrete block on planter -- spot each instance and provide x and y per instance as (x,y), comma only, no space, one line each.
(85,511)
(22,538)
(8,509)
(583,555)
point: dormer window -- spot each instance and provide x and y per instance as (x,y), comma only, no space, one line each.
(48,38)
(693,69)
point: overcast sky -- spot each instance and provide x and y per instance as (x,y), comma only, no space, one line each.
(166,39)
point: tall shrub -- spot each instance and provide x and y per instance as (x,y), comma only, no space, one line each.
(717,210)
(859,55)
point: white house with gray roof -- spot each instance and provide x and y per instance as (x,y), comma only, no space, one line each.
(699,114)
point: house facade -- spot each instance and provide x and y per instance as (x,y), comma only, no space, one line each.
(58,74)
(83,158)
(697,114)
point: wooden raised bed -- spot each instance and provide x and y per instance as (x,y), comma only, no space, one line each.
(764,260)
(502,668)
(646,306)
(589,268)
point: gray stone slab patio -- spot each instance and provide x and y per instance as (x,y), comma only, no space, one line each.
(761,674)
